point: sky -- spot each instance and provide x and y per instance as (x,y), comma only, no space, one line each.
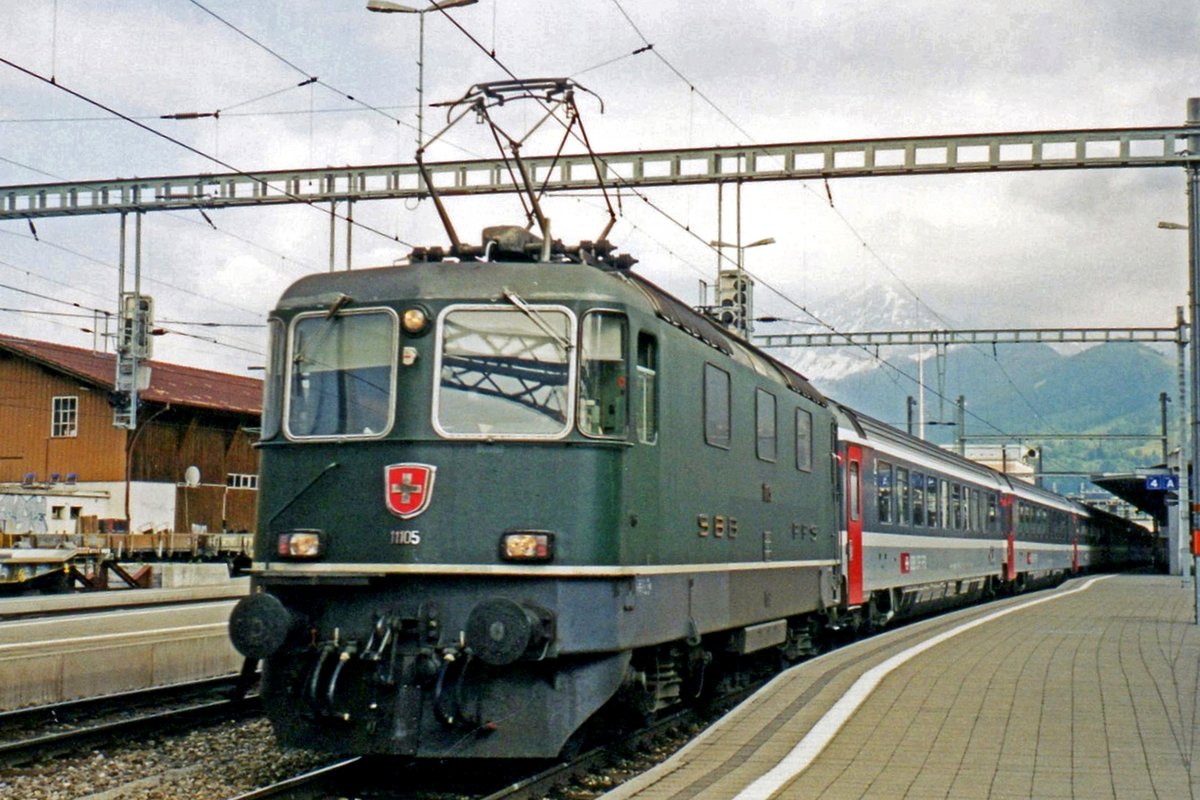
(1057,249)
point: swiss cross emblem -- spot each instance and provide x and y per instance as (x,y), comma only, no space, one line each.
(408,488)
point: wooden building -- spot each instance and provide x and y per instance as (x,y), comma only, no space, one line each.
(64,467)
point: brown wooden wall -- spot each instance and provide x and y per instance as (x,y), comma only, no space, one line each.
(97,453)
(167,442)
(175,439)
(218,507)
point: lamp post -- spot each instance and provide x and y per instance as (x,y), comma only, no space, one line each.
(385,7)
(1183,545)
(741,248)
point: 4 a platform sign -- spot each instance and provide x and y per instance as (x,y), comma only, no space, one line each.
(1162,483)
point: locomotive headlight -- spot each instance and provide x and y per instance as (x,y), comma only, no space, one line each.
(414,320)
(300,544)
(527,546)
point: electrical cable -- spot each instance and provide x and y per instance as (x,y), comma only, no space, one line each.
(691,86)
(621,181)
(196,151)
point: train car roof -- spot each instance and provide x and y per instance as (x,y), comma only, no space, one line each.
(888,439)
(673,310)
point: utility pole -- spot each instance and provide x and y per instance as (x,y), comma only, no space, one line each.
(1193,191)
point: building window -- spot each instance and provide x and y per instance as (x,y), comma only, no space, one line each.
(241,480)
(716,407)
(64,419)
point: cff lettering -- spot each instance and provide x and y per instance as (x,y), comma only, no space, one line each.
(406,537)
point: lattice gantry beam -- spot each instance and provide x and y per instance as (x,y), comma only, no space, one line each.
(980,336)
(997,152)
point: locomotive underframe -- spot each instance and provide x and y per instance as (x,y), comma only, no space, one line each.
(370,656)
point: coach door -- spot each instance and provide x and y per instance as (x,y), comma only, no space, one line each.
(1008,504)
(854,525)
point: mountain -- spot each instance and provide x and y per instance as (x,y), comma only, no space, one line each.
(1031,389)
(866,308)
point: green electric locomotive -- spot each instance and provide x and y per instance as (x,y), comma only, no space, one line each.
(501,493)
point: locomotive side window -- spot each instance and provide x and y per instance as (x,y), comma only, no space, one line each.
(918,498)
(883,490)
(341,374)
(804,450)
(901,495)
(716,407)
(647,389)
(602,375)
(504,372)
(273,381)
(765,425)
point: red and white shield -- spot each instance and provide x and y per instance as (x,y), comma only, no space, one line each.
(408,488)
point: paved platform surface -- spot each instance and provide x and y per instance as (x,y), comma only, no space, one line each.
(1088,692)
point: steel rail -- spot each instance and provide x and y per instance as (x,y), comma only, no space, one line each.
(313,785)
(23,751)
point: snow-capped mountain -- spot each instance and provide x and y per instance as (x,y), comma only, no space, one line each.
(864,308)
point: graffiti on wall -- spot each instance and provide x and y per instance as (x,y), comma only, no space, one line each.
(22,514)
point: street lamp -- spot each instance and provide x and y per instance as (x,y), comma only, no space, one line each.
(385,7)
(1183,546)
(741,248)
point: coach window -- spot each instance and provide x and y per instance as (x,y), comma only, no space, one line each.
(766,425)
(804,449)
(956,507)
(602,375)
(901,496)
(883,490)
(504,372)
(646,391)
(993,514)
(918,499)
(931,501)
(716,407)
(342,371)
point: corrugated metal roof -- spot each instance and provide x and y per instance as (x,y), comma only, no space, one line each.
(169,383)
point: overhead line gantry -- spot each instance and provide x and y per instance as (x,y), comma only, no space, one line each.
(924,155)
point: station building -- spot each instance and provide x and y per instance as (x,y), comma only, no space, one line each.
(189,466)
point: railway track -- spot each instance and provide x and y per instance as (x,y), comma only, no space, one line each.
(586,775)
(43,732)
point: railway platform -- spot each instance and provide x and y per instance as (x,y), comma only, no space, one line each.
(1089,691)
